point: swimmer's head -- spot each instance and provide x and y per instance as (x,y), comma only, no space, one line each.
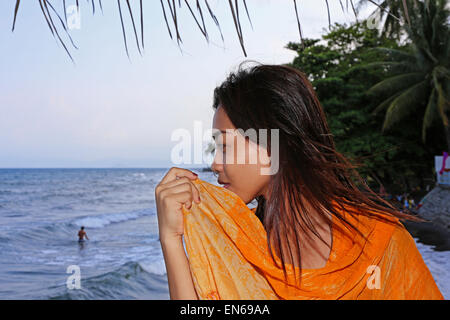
(82,228)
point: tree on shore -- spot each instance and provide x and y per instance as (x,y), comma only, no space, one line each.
(341,68)
(418,76)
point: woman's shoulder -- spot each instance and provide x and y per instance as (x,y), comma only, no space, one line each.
(403,243)
(401,240)
(407,262)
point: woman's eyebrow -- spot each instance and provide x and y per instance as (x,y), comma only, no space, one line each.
(214,137)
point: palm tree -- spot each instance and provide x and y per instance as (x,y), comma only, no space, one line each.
(393,12)
(419,77)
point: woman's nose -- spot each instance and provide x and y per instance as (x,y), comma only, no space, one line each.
(216,166)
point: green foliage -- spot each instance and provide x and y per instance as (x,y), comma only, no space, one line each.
(424,83)
(342,67)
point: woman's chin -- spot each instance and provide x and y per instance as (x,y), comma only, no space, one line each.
(239,195)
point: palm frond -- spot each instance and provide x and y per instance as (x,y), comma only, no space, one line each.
(63,24)
(396,83)
(142,21)
(213,16)
(237,25)
(202,30)
(64,9)
(405,8)
(404,104)
(134,25)
(165,18)
(15,14)
(328,11)
(396,54)
(386,103)
(384,9)
(429,115)
(354,10)
(388,66)
(396,14)
(248,15)
(44,8)
(234,8)
(173,12)
(123,29)
(442,102)
(299,26)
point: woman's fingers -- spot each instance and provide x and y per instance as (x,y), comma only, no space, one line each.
(175,173)
(174,190)
(185,184)
(183,197)
(185,187)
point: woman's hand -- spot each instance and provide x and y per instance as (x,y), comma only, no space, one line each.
(173,191)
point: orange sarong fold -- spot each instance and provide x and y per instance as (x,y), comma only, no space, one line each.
(229,258)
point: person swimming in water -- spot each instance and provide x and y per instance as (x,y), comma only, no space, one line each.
(81,235)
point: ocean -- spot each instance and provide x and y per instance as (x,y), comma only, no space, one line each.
(41,211)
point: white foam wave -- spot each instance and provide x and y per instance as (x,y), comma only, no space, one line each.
(141,176)
(103,220)
(438,262)
(157,266)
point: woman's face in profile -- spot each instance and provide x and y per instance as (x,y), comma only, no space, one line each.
(232,160)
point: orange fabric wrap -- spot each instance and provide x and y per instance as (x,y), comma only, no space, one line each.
(229,257)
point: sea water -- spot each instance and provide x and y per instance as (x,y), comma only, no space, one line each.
(41,211)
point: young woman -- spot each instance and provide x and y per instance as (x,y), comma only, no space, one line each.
(299,204)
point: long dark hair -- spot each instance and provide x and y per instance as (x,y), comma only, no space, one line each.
(279,96)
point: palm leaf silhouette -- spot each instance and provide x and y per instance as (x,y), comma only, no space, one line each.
(404,104)
(168,6)
(396,83)
(418,75)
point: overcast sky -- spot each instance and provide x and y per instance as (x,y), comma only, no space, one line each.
(109,111)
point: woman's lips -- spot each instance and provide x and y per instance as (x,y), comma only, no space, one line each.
(225,185)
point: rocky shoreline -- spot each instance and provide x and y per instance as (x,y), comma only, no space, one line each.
(436,206)
(436,210)
(430,233)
